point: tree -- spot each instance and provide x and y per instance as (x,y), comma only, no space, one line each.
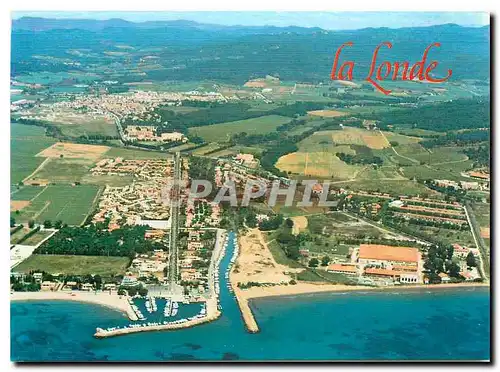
(97,282)
(325,261)
(143,292)
(58,224)
(121,292)
(31,224)
(313,262)
(289,223)
(454,270)
(12,222)
(471,260)
(47,224)
(132,291)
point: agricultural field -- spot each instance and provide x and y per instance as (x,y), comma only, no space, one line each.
(65,150)
(107,179)
(317,164)
(70,204)
(126,153)
(18,235)
(75,265)
(449,236)
(327,113)
(66,163)
(393,187)
(26,141)
(62,171)
(73,123)
(38,237)
(400,138)
(25,193)
(482,212)
(356,136)
(222,132)
(450,172)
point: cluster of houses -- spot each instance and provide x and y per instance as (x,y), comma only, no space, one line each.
(463,185)
(189,273)
(140,200)
(202,213)
(59,283)
(148,133)
(248,160)
(149,264)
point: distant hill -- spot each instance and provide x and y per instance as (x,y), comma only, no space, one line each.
(188,50)
(45,24)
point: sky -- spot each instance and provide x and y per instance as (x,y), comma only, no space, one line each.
(325,20)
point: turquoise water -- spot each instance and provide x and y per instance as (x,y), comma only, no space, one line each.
(414,325)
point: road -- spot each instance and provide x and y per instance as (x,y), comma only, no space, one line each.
(474,228)
(174,228)
(118,126)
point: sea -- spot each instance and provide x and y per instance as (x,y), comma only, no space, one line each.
(407,325)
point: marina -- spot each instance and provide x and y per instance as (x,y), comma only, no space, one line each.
(183,313)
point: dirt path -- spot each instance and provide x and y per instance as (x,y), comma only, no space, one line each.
(397,153)
(39,168)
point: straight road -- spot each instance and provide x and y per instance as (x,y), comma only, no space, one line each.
(174,228)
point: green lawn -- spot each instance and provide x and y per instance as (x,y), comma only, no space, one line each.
(223,131)
(75,265)
(70,204)
(25,142)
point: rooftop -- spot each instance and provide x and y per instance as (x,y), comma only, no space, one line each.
(388,253)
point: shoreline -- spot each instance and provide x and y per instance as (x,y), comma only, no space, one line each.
(245,297)
(305,288)
(112,301)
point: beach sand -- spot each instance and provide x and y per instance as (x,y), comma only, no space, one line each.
(113,301)
(255,263)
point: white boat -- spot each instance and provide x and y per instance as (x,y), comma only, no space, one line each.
(174,311)
(168,308)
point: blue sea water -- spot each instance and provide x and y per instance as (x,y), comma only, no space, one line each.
(410,325)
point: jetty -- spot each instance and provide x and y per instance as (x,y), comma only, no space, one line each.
(246,313)
(212,313)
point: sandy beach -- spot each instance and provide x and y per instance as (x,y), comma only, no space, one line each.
(113,301)
(255,263)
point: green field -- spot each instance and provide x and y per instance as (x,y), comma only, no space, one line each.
(115,152)
(37,237)
(222,132)
(26,192)
(18,235)
(448,236)
(25,142)
(65,171)
(110,180)
(277,252)
(87,126)
(393,187)
(70,204)
(75,265)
